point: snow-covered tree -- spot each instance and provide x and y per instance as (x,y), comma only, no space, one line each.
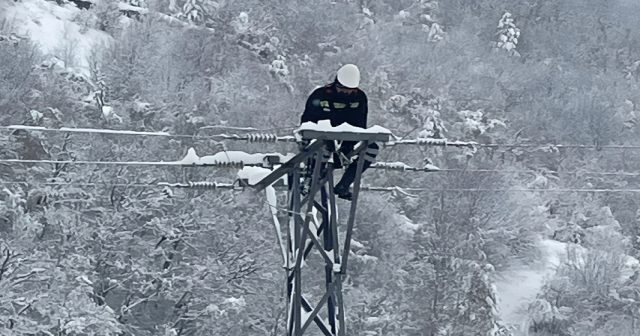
(589,293)
(173,264)
(508,35)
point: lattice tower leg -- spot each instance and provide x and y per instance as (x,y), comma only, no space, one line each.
(323,239)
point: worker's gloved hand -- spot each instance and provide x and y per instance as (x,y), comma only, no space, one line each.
(344,160)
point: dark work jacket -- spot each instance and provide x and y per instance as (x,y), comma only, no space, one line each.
(326,103)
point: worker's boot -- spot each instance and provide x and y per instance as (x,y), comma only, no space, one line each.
(342,191)
(342,188)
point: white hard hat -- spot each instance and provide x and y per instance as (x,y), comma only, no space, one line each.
(349,76)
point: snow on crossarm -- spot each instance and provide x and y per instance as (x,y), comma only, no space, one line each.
(233,157)
(253,174)
(325,126)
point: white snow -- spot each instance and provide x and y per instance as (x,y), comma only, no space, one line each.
(126,7)
(175,22)
(109,131)
(35,115)
(28,128)
(631,265)
(331,256)
(192,158)
(356,243)
(291,226)
(430,142)
(521,285)
(236,302)
(392,165)
(272,200)
(107,110)
(246,158)
(53,28)
(85,130)
(84,279)
(440,142)
(325,126)
(410,227)
(253,174)
(168,191)
(305,316)
(232,157)
(313,231)
(402,166)
(430,167)
(230,127)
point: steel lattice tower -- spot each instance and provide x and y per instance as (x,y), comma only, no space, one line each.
(307,233)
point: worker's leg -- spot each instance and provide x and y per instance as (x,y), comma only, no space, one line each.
(342,187)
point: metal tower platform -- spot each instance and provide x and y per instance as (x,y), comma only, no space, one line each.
(307,232)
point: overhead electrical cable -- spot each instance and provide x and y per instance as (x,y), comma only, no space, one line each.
(81,162)
(560,190)
(131,163)
(252,129)
(251,137)
(195,185)
(215,185)
(268,137)
(380,167)
(79,184)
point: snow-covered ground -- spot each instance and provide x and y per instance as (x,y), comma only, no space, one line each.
(520,285)
(60,31)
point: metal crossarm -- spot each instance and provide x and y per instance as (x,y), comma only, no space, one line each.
(345,136)
(290,165)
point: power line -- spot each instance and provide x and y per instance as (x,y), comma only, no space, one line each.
(252,129)
(400,189)
(540,172)
(133,163)
(381,167)
(215,185)
(193,185)
(79,184)
(446,143)
(80,162)
(251,137)
(557,146)
(267,137)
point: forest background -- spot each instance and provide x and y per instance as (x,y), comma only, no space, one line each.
(98,253)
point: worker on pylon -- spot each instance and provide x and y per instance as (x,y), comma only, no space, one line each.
(342,102)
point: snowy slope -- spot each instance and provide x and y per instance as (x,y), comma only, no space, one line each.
(59,31)
(521,285)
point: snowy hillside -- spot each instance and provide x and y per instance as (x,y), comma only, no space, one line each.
(61,32)
(511,121)
(520,285)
